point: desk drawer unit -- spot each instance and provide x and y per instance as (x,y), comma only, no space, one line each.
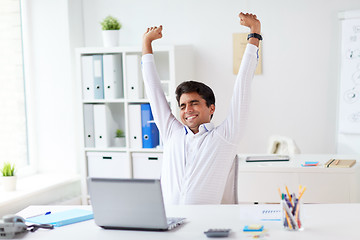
(108,165)
(263,187)
(146,165)
(326,187)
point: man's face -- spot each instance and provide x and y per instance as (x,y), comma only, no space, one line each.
(193,111)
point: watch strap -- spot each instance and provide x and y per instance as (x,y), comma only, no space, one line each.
(254,35)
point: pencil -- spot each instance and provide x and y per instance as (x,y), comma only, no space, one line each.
(287,190)
(301,193)
(288,220)
(280,193)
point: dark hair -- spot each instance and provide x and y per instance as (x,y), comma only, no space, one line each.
(192,86)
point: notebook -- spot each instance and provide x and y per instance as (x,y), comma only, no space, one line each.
(135,204)
(63,218)
(339,163)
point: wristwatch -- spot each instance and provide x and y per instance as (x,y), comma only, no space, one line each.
(254,35)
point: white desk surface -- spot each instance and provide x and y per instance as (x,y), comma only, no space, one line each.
(320,221)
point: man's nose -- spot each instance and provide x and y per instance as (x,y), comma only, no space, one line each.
(188,109)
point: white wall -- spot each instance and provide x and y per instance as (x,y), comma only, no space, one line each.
(296,95)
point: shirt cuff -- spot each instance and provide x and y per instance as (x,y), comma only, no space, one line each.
(147,58)
(251,49)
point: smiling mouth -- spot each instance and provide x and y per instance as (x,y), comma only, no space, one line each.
(190,118)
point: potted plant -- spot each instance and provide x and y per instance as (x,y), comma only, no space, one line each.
(9,178)
(111,28)
(119,138)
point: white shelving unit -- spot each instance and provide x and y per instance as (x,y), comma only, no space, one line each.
(174,65)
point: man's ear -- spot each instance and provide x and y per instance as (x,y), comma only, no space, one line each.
(212,108)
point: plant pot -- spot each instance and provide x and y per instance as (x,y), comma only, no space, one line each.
(9,183)
(119,142)
(111,38)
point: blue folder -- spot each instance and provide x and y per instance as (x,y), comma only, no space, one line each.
(150,132)
(59,219)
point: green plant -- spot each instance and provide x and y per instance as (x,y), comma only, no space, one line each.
(119,133)
(110,23)
(7,170)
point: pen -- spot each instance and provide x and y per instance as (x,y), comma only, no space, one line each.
(286,215)
(297,215)
(41,214)
(331,161)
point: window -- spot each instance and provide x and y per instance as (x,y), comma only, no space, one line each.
(13,132)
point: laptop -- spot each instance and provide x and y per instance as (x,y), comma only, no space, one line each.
(133,204)
(267,158)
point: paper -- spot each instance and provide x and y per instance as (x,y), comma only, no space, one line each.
(262,213)
(349,107)
(59,219)
(239,46)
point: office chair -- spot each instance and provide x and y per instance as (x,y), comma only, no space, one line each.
(282,145)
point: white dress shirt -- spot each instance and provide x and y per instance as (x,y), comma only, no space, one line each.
(196,167)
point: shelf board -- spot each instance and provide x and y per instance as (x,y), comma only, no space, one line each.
(110,149)
(142,100)
(115,149)
(120,100)
(147,150)
(104,101)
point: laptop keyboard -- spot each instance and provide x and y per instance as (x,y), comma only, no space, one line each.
(174,222)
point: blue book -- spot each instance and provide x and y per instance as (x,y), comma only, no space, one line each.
(150,132)
(59,219)
(98,76)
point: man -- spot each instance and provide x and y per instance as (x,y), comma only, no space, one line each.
(198,157)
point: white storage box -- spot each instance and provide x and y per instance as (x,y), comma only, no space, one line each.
(147,165)
(108,165)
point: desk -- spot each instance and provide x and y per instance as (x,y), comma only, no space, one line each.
(258,182)
(321,221)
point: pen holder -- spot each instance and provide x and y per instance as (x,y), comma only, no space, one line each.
(291,216)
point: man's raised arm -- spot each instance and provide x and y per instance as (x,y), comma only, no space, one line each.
(163,117)
(233,126)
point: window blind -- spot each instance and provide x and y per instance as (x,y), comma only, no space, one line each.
(13,137)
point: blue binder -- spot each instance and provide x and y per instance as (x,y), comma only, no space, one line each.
(98,76)
(150,132)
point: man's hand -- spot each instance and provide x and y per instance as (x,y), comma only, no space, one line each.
(150,35)
(251,21)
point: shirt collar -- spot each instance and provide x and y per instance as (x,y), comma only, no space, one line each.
(203,128)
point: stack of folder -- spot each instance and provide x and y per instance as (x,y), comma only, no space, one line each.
(102,76)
